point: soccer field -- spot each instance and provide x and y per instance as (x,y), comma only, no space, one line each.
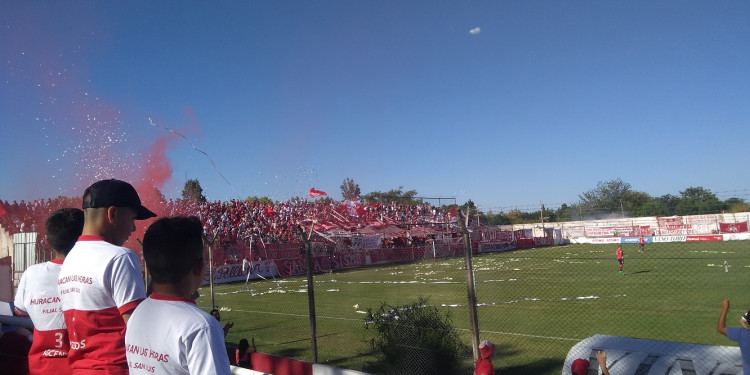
(535,304)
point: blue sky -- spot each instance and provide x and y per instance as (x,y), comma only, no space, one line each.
(543,100)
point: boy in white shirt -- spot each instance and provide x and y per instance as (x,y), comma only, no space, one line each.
(39,299)
(168,333)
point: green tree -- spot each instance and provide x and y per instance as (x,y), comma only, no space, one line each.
(697,200)
(394,195)
(632,201)
(193,191)
(606,198)
(349,190)
(739,207)
(264,200)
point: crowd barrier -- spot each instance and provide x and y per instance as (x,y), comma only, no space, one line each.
(268,364)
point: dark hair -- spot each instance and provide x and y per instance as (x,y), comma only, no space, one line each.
(243,346)
(64,227)
(171,246)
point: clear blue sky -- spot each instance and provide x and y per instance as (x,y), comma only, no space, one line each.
(540,102)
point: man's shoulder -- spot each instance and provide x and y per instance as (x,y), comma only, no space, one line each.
(88,251)
(190,317)
(738,334)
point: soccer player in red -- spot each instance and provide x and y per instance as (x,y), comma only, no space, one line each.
(641,243)
(620,259)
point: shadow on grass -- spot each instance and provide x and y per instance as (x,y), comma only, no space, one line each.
(542,366)
(637,272)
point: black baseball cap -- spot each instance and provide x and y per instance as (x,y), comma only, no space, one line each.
(109,193)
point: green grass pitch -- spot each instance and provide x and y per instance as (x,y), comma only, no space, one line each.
(535,304)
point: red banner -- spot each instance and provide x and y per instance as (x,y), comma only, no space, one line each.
(733,227)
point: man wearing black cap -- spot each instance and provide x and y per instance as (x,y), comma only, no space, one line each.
(100,282)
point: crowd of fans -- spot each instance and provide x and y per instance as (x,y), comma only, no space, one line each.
(247,223)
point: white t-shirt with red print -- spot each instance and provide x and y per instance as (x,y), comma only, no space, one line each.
(169,335)
(37,297)
(98,282)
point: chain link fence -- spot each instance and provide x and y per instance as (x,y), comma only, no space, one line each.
(405,310)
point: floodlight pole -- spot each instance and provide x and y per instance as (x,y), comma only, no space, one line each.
(307,248)
(470,287)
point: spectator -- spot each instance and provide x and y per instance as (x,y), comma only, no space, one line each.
(215,314)
(168,333)
(581,366)
(740,335)
(242,353)
(100,282)
(49,350)
(483,366)
(14,349)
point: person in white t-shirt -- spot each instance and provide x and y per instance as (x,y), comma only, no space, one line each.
(168,333)
(37,296)
(100,282)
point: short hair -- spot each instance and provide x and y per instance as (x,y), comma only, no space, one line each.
(64,227)
(171,246)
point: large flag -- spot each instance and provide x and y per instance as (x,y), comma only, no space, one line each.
(316,193)
(269,211)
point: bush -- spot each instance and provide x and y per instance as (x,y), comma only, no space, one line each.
(416,339)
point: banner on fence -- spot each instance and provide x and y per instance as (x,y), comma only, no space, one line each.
(669,238)
(491,247)
(713,238)
(636,239)
(233,272)
(733,227)
(367,242)
(606,240)
(600,231)
(574,232)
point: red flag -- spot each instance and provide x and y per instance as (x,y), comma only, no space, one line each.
(360,211)
(269,211)
(316,193)
(2,210)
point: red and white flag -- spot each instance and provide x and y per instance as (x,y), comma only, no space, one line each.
(316,193)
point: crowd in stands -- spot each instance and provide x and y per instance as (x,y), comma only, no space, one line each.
(253,223)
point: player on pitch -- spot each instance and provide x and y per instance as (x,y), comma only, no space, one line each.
(641,244)
(620,258)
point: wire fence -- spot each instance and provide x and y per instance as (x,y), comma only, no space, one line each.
(391,311)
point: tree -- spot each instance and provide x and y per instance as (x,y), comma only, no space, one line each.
(193,191)
(349,190)
(607,197)
(697,200)
(264,200)
(394,195)
(739,207)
